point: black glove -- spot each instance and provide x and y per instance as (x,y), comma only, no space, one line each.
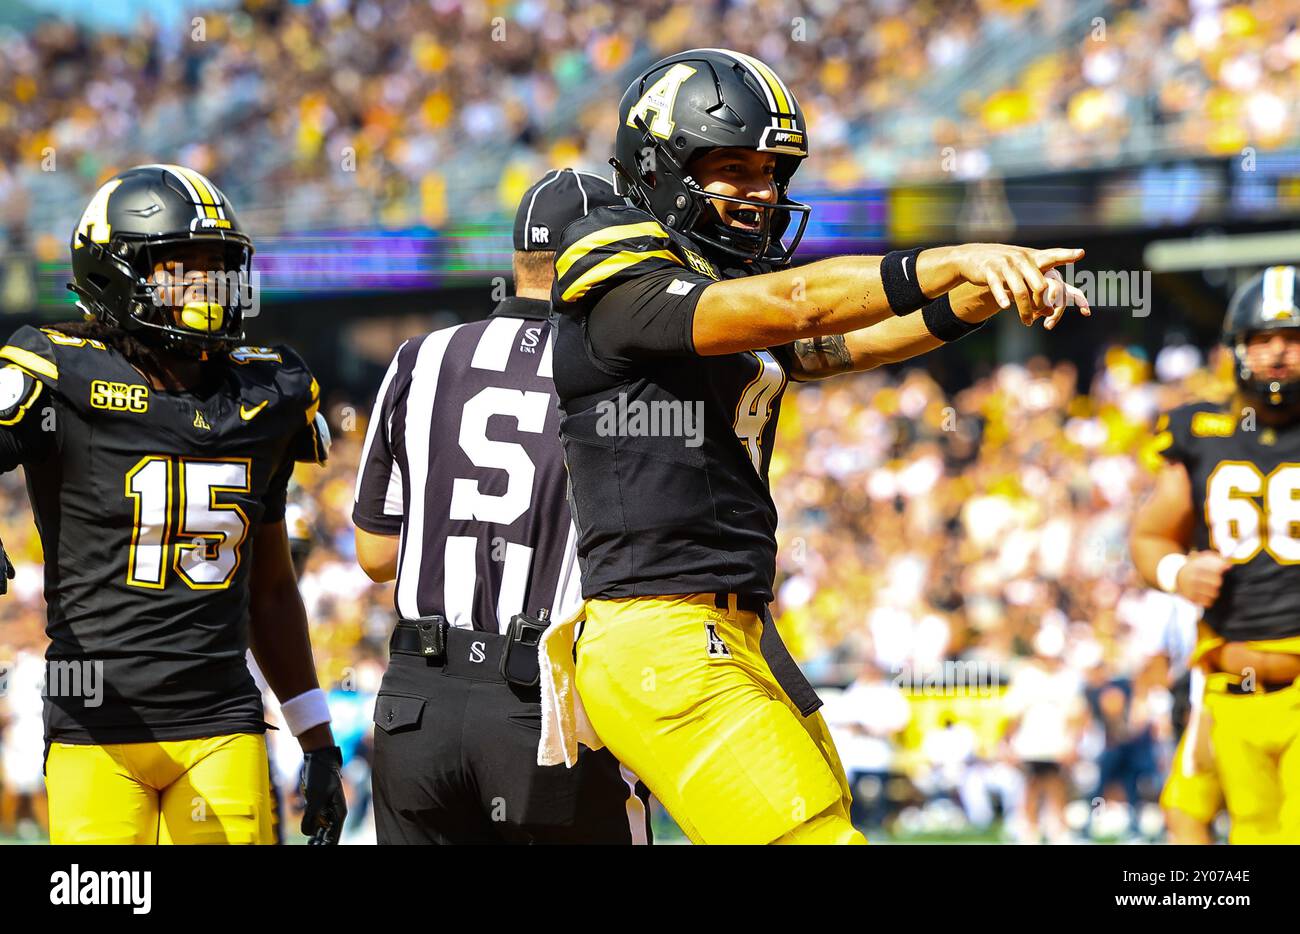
(321,785)
(6,570)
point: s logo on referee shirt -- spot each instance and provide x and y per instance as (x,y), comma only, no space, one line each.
(717,648)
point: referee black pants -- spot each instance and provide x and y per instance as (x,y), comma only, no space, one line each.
(456,761)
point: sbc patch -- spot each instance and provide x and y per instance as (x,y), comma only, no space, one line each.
(1214,425)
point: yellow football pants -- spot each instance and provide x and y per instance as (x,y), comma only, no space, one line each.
(679,692)
(1195,791)
(1257,747)
(211,790)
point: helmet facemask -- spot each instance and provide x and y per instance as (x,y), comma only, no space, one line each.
(1273,392)
(190,319)
(763,244)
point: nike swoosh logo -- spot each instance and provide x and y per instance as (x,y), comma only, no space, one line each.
(248,414)
(905,275)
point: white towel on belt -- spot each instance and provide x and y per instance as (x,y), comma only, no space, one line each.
(564,720)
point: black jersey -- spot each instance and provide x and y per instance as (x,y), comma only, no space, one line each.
(462,461)
(1246,497)
(667,450)
(146,502)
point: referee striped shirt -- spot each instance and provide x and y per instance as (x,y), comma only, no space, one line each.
(462,459)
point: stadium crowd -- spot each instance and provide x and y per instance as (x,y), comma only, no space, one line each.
(336,114)
(919,528)
(985,528)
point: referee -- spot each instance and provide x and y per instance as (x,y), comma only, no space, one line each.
(462,497)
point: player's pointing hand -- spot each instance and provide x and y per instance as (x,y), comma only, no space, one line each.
(1011,273)
(1059,296)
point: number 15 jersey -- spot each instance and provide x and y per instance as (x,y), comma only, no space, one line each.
(146,502)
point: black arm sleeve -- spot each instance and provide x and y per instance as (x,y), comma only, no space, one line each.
(649,316)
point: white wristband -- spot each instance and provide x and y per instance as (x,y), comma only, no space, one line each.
(305,711)
(1167,571)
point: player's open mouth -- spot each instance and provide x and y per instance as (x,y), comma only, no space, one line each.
(746,218)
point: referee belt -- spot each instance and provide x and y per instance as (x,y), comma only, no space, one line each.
(469,653)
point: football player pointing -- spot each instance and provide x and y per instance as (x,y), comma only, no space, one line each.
(157,454)
(683,298)
(1220,530)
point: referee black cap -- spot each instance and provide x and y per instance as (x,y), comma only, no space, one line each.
(560,198)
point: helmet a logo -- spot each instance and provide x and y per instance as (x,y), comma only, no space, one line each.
(659,98)
(94,221)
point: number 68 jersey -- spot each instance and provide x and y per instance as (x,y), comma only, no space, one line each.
(1246,500)
(146,502)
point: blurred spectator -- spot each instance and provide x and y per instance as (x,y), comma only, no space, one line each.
(328,115)
(1129,757)
(865,722)
(22,747)
(1045,704)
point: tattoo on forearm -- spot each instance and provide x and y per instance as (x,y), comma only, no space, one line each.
(823,356)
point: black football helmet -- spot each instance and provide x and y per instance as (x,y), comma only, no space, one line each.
(699,100)
(1265,303)
(132,222)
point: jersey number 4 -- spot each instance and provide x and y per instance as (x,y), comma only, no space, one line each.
(1240,527)
(205,538)
(754,409)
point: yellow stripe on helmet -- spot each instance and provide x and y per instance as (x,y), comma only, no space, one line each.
(776,86)
(202,186)
(1279,293)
